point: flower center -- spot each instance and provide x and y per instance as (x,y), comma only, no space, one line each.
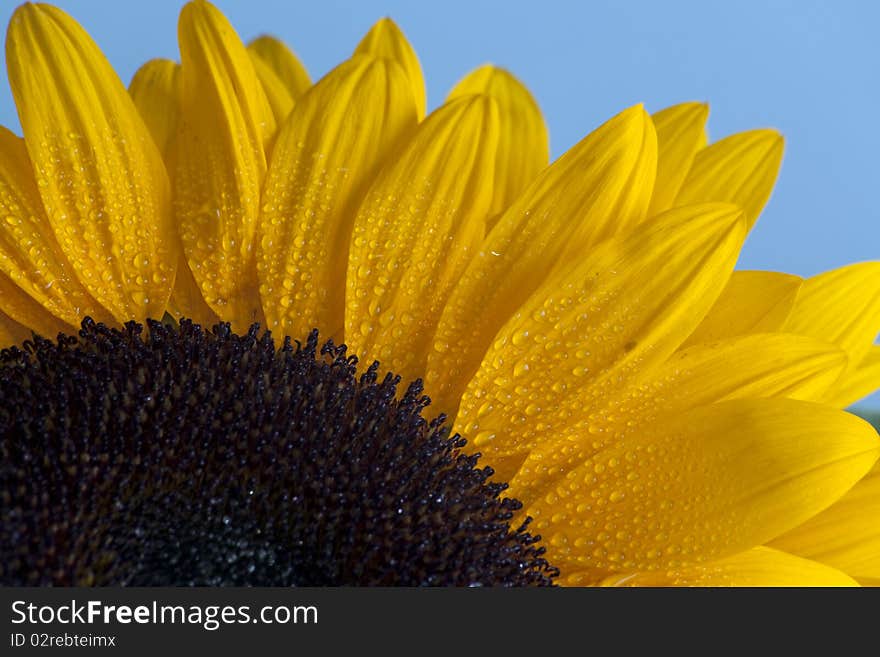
(193,457)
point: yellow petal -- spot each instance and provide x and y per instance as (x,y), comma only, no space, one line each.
(386,40)
(681,132)
(858,381)
(739,169)
(279,98)
(30,255)
(745,367)
(155,90)
(752,302)
(621,310)
(283,62)
(187,300)
(759,566)
(841,306)
(416,231)
(23,310)
(846,535)
(523,143)
(601,187)
(327,154)
(219,162)
(760,365)
(703,485)
(11,332)
(99,172)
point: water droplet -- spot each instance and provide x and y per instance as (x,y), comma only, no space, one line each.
(520,338)
(484,438)
(141,260)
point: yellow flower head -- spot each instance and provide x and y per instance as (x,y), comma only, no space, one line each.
(662,418)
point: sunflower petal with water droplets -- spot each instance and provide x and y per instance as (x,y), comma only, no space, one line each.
(327,153)
(523,143)
(416,231)
(31,257)
(385,39)
(758,567)
(98,170)
(219,162)
(588,330)
(704,485)
(599,188)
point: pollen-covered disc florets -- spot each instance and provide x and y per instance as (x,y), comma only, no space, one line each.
(193,457)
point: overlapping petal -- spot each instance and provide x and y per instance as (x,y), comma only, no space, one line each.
(704,485)
(599,188)
(858,381)
(156,92)
(752,302)
(751,366)
(523,143)
(277,95)
(755,365)
(40,287)
(100,175)
(11,332)
(844,536)
(326,156)
(386,40)
(841,306)
(681,133)
(739,169)
(759,566)
(416,232)
(283,62)
(23,310)
(219,162)
(620,311)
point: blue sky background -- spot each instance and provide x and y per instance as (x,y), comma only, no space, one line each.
(808,68)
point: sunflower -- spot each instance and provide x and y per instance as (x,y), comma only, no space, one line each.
(660,418)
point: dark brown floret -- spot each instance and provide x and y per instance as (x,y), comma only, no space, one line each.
(193,457)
